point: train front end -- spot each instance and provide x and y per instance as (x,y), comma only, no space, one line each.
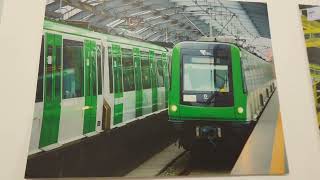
(206,96)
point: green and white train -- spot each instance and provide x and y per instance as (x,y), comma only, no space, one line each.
(89,82)
(216,89)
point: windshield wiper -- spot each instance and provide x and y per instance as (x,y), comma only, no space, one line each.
(215,93)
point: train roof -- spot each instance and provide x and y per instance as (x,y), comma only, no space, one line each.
(206,45)
(69,29)
(199,44)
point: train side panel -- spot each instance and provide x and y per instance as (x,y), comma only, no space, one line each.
(88,84)
(259,80)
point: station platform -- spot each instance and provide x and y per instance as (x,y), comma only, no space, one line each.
(264,151)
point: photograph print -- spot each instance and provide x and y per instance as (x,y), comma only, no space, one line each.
(155,88)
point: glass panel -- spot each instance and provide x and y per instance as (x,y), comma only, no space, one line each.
(73,64)
(128,70)
(128,79)
(118,88)
(160,73)
(207,79)
(201,74)
(48,80)
(99,69)
(127,58)
(138,73)
(39,93)
(93,70)
(244,81)
(145,69)
(153,74)
(58,73)
(102,63)
(110,69)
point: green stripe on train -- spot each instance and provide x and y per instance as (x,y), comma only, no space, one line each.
(52,91)
(118,114)
(118,86)
(240,99)
(138,81)
(153,74)
(90,111)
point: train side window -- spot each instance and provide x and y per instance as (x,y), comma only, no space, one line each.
(48,71)
(158,70)
(39,93)
(145,70)
(73,69)
(102,63)
(160,73)
(128,70)
(93,58)
(110,69)
(58,72)
(118,73)
(244,82)
(169,66)
(99,69)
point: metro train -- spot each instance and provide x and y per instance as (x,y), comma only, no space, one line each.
(89,82)
(217,90)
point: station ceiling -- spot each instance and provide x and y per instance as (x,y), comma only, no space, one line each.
(169,20)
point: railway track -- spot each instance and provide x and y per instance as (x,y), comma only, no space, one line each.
(186,165)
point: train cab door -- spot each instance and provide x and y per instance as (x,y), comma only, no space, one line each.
(90,87)
(52,91)
(138,81)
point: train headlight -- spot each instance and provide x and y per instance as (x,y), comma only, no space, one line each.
(240,110)
(173,108)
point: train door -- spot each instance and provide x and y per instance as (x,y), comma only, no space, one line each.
(100,74)
(90,84)
(118,85)
(146,83)
(52,91)
(160,81)
(153,71)
(71,118)
(138,81)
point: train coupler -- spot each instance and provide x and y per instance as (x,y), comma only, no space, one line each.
(208,132)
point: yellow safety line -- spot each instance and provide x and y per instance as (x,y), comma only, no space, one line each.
(278,152)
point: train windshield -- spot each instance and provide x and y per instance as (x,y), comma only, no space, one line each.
(207,77)
(202,74)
